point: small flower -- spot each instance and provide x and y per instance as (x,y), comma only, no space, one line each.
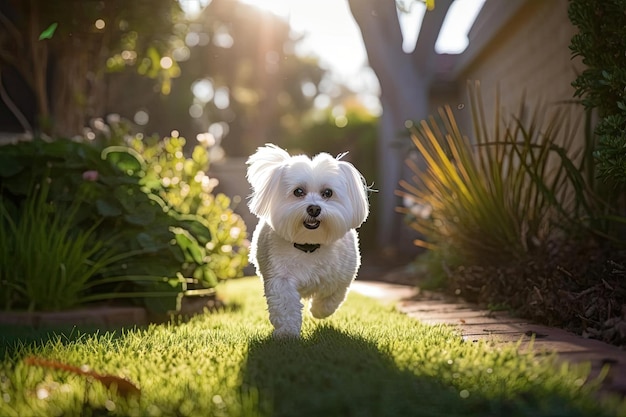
(90,175)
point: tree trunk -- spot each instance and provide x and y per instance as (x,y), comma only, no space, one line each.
(405,83)
(39,59)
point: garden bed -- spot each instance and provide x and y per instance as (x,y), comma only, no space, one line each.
(107,316)
(579,289)
(102,316)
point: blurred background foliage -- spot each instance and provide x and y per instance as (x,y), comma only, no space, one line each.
(108,91)
(231,71)
(66,68)
(240,78)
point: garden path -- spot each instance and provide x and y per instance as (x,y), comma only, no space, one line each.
(474,324)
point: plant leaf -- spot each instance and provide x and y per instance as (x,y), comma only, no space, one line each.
(9,166)
(107,209)
(49,32)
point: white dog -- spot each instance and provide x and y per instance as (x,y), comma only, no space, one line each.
(305,245)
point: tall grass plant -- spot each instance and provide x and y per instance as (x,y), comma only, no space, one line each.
(48,263)
(44,261)
(510,190)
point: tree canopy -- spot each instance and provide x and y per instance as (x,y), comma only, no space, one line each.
(61,50)
(241,81)
(231,71)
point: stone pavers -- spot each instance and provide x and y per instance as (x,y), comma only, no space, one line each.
(476,324)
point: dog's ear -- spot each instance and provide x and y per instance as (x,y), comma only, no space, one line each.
(265,168)
(357,192)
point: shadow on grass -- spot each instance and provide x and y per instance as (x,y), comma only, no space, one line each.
(332,373)
(18,340)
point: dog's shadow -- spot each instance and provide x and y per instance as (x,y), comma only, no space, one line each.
(331,373)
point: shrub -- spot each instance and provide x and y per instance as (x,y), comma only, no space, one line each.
(502,199)
(601,42)
(176,173)
(184,185)
(167,251)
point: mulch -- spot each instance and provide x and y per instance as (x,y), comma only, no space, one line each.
(578,287)
(581,289)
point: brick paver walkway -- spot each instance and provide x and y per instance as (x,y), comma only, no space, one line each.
(475,324)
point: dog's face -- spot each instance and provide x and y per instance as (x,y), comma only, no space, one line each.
(306,200)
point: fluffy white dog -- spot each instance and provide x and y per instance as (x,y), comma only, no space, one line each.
(305,245)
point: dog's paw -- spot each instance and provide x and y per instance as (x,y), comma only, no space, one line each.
(322,307)
(286,333)
(321,311)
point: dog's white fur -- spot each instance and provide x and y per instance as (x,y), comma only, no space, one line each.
(290,274)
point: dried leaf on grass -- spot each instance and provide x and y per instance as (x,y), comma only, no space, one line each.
(122,385)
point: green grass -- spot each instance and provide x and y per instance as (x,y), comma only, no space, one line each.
(367,360)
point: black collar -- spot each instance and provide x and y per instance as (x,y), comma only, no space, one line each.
(306,247)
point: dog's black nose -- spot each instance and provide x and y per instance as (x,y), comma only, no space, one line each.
(314,210)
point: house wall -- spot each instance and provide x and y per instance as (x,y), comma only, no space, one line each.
(527,57)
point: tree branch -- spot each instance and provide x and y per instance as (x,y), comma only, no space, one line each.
(12,29)
(429,32)
(14,109)
(378,21)
(20,66)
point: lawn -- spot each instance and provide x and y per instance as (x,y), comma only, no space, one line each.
(367,360)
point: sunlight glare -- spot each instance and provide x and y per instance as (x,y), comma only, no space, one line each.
(329,31)
(166,62)
(203,90)
(410,23)
(221,99)
(193,7)
(458,22)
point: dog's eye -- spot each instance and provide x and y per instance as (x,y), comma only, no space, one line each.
(327,193)
(299,192)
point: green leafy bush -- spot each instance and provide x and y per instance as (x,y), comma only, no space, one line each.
(184,185)
(167,252)
(601,42)
(181,182)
